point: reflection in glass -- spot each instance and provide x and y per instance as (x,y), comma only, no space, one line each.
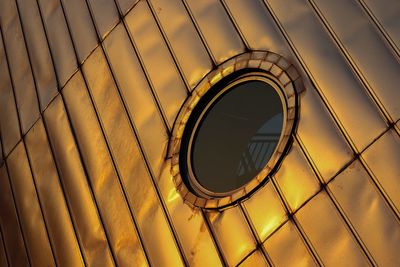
(237,136)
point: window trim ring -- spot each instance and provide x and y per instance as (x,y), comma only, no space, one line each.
(290,83)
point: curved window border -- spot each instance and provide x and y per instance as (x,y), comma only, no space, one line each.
(266,66)
(202,109)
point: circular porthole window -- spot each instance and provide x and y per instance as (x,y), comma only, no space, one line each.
(234,136)
(232,131)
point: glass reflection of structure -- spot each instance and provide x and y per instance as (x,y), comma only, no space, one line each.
(260,147)
(236,136)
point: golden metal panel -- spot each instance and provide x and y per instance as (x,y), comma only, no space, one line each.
(83,33)
(314,116)
(267,36)
(265,218)
(136,180)
(125,5)
(137,96)
(382,158)
(18,62)
(255,16)
(168,85)
(216,28)
(185,41)
(190,226)
(3,256)
(101,173)
(286,247)
(83,209)
(296,179)
(387,13)
(105,15)
(397,127)
(59,39)
(316,119)
(9,121)
(333,75)
(39,53)
(55,210)
(328,235)
(368,51)
(1,152)
(233,234)
(116,202)
(368,212)
(29,210)
(9,223)
(255,259)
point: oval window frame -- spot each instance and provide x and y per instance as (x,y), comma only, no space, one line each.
(271,68)
(220,90)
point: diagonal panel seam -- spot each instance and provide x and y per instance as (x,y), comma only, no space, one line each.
(121,184)
(381,28)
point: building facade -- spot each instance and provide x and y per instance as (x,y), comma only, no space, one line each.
(94,97)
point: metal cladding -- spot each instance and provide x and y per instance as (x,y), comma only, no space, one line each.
(89,94)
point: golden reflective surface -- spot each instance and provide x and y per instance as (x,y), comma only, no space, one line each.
(90,91)
(286,247)
(32,224)
(82,206)
(11,236)
(255,259)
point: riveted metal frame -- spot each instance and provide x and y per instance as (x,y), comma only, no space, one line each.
(275,70)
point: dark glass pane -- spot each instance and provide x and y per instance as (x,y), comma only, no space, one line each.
(237,136)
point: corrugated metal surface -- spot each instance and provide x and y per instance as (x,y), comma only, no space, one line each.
(90,90)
